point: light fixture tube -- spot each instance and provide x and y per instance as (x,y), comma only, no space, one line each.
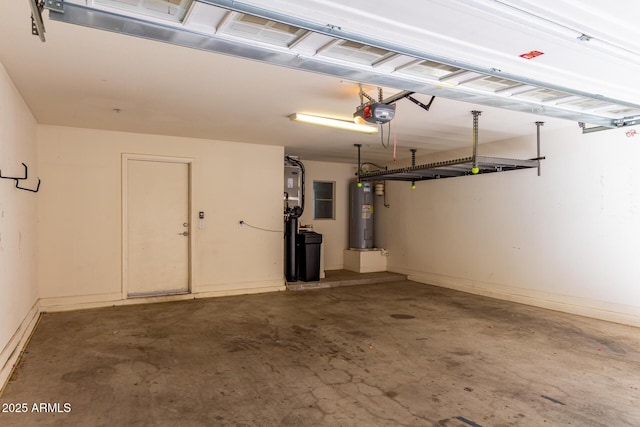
(334,123)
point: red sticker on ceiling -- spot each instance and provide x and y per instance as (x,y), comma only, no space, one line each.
(532,54)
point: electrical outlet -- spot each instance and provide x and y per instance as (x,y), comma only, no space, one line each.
(241,224)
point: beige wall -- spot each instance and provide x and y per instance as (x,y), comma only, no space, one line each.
(18,227)
(567,240)
(80,214)
(335,232)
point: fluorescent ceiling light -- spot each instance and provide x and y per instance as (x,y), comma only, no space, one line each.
(334,123)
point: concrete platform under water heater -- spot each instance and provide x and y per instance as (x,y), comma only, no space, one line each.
(365,260)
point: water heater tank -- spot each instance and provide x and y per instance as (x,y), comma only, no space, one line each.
(361,216)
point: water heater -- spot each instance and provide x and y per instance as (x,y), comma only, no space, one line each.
(360,216)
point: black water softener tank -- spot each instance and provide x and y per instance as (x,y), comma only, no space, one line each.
(308,250)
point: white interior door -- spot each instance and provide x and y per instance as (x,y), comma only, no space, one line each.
(157,228)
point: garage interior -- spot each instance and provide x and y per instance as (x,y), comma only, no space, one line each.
(506,295)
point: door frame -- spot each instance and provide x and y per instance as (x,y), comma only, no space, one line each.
(125,209)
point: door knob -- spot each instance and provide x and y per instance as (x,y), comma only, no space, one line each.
(184,233)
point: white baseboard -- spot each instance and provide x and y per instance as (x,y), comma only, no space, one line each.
(83,302)
(612,312)
(13,349)
(243,291)
(240,288)
(78,302)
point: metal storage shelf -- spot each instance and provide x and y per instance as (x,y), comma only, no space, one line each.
(472,165)
(450,169)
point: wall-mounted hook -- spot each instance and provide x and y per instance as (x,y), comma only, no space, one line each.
(16,177)
(28,189)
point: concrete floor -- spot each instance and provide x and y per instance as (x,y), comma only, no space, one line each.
(393,354)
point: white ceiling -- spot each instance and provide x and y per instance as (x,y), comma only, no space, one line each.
(81,76)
